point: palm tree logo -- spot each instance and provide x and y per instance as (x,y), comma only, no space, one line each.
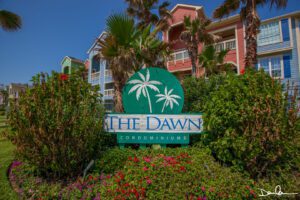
(170,99)
(141,86)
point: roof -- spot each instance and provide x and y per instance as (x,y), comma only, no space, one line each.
(72,59)
(226,20)
(187,6)
(102,35)
(295,13)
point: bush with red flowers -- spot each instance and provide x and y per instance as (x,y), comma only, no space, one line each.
(147,174)
(58,124)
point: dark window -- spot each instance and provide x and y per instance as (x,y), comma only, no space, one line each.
(95,64)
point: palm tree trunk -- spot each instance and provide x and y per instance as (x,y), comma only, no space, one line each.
(118,97)
(252,30)
(193,52)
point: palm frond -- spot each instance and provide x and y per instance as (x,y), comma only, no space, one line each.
(227,7)
(121,27)
(278,3)
(10,21)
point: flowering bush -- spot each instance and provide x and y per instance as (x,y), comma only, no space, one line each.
(176,174)
(146,174)
(57,124)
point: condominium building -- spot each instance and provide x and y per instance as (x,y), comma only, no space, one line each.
(278,43)
(100,74)
(230,30)
(279,47)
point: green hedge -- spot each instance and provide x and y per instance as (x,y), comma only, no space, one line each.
(250,122)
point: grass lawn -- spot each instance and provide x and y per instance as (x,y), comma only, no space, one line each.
(6,156)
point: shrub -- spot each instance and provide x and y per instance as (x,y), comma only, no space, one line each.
(168,174)
(150,174)
(113,160)
(57,124)
(249,125)
(197,91)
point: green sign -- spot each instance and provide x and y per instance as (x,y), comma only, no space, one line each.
(153,91)
(153,99)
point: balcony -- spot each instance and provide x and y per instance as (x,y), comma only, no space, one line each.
(179,56)
(107,73)
(109,92)
(95,78)
(179,61)
(227,44)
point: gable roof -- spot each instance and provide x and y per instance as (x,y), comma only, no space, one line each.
(186,6)
(72,59)
(102,35)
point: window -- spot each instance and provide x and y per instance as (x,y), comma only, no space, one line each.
(109,86)
(269,34)
(219,47)
(109,105)
(179,55)
(95,64)
(230,45)
(276,67)
(272,65)
(227,44)
(67,70)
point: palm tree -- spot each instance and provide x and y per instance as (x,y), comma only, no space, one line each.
(195,32)
(116,49)
(149,49)
(250,16)
(141,86)
(145,12)
(213,61)
(10,21)
(127,48)
(170,99)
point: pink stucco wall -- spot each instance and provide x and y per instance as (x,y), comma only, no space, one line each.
(176,44)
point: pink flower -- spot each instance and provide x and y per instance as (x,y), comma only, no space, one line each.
(146,159)
(203,188)
(145,168)
(168,158)
(149,181)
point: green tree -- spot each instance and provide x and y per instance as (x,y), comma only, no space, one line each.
(250,16)
(213,61)
(10,21)
(127,48)
(145,12)
(149,49)
(195,32)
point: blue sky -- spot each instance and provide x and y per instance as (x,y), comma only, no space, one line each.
(53,29)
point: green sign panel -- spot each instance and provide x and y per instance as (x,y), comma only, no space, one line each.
(153,99)
(153,91)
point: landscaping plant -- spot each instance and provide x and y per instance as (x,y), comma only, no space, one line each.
(146,174)
(57,125)
(251,123)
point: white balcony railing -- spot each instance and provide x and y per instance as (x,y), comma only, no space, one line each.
(179,56)
(95,77)
(107,73)
(227,44)
(109,92)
